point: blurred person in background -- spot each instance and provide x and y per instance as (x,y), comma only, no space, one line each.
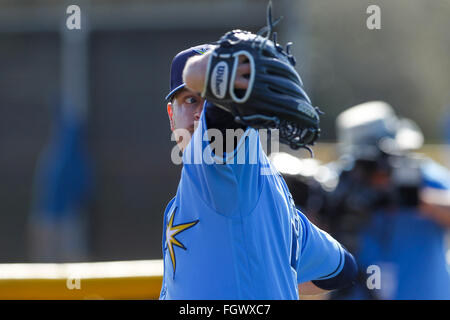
(387,204)
(62,187)
(394,202)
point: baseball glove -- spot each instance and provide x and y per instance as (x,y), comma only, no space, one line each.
(274,98)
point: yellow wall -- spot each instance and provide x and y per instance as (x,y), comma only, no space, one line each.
(99,280)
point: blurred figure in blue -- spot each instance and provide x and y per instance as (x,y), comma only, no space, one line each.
(62,190)
(391,207)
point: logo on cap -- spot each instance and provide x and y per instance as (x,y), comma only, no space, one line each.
(201,51)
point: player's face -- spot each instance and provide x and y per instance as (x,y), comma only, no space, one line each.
(184,113)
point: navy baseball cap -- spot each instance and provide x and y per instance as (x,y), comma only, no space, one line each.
(178,63)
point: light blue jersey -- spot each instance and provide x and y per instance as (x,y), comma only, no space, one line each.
(233,232)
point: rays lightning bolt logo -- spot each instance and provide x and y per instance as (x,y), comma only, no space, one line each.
(171,232)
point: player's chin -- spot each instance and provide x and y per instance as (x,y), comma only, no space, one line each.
(185,132)
(183,141)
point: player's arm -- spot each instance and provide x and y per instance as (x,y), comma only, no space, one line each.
(344,278)
(325,265)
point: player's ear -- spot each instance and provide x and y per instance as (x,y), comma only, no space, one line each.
(170,113)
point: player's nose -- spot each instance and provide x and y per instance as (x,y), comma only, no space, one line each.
(198,112)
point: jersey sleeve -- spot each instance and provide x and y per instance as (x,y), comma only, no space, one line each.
(227,182)
(321,256)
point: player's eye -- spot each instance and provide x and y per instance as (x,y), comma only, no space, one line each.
(190,100)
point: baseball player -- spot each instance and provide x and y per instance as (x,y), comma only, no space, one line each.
(232,231)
